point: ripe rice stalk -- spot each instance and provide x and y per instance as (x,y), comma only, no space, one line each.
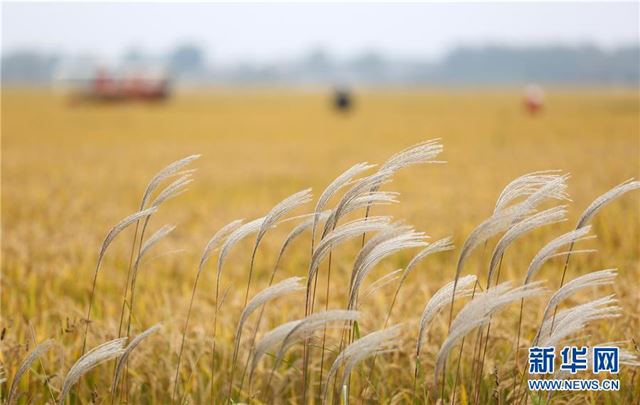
(210,247)
(478,312)
(125,356)
(113,233)
(88,361)
(280,289)
(378,342)
(25,365)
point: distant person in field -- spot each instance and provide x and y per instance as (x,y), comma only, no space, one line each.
(342,99)
(533,99)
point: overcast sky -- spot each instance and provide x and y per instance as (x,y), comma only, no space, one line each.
(235,32)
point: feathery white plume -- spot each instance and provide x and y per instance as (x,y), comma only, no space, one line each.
(546,217)
(127,351)
(88,361)
(478,312)
(605,199)
(341,234)
(332,188)
(401,238)
(526,185)
(163,174)
(439,300)
(29,359)
(284,287)
(374,343)
(574,320)
(593,279)
(550,249)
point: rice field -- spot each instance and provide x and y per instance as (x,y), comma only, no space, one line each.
(72,172)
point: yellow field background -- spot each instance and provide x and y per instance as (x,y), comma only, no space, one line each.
(70,172)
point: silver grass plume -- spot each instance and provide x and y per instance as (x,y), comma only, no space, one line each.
(341,234)
(546,217)
(423,152)
(127,351)
(438,301)
(284,287)
(121,226)
(172,190)
(574,320)
(270,221)
(361,187)
(312,324)
(550,249)
(93,358)
(526,185)
(366,200)
(374,343)
(406,239)
(236,236)
(281,209)
(163,174)
(297,231)
(206,254)
(441,245)
(26,364)
(152,241)
(383,282)
(626,357)
(113,233)
(478,312)
(271,339)
(339,182)
(593,279)
(213,243)
(605,199)
(498,222)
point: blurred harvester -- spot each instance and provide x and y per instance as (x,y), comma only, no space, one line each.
(130,84)
(533,99)
(342,99)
